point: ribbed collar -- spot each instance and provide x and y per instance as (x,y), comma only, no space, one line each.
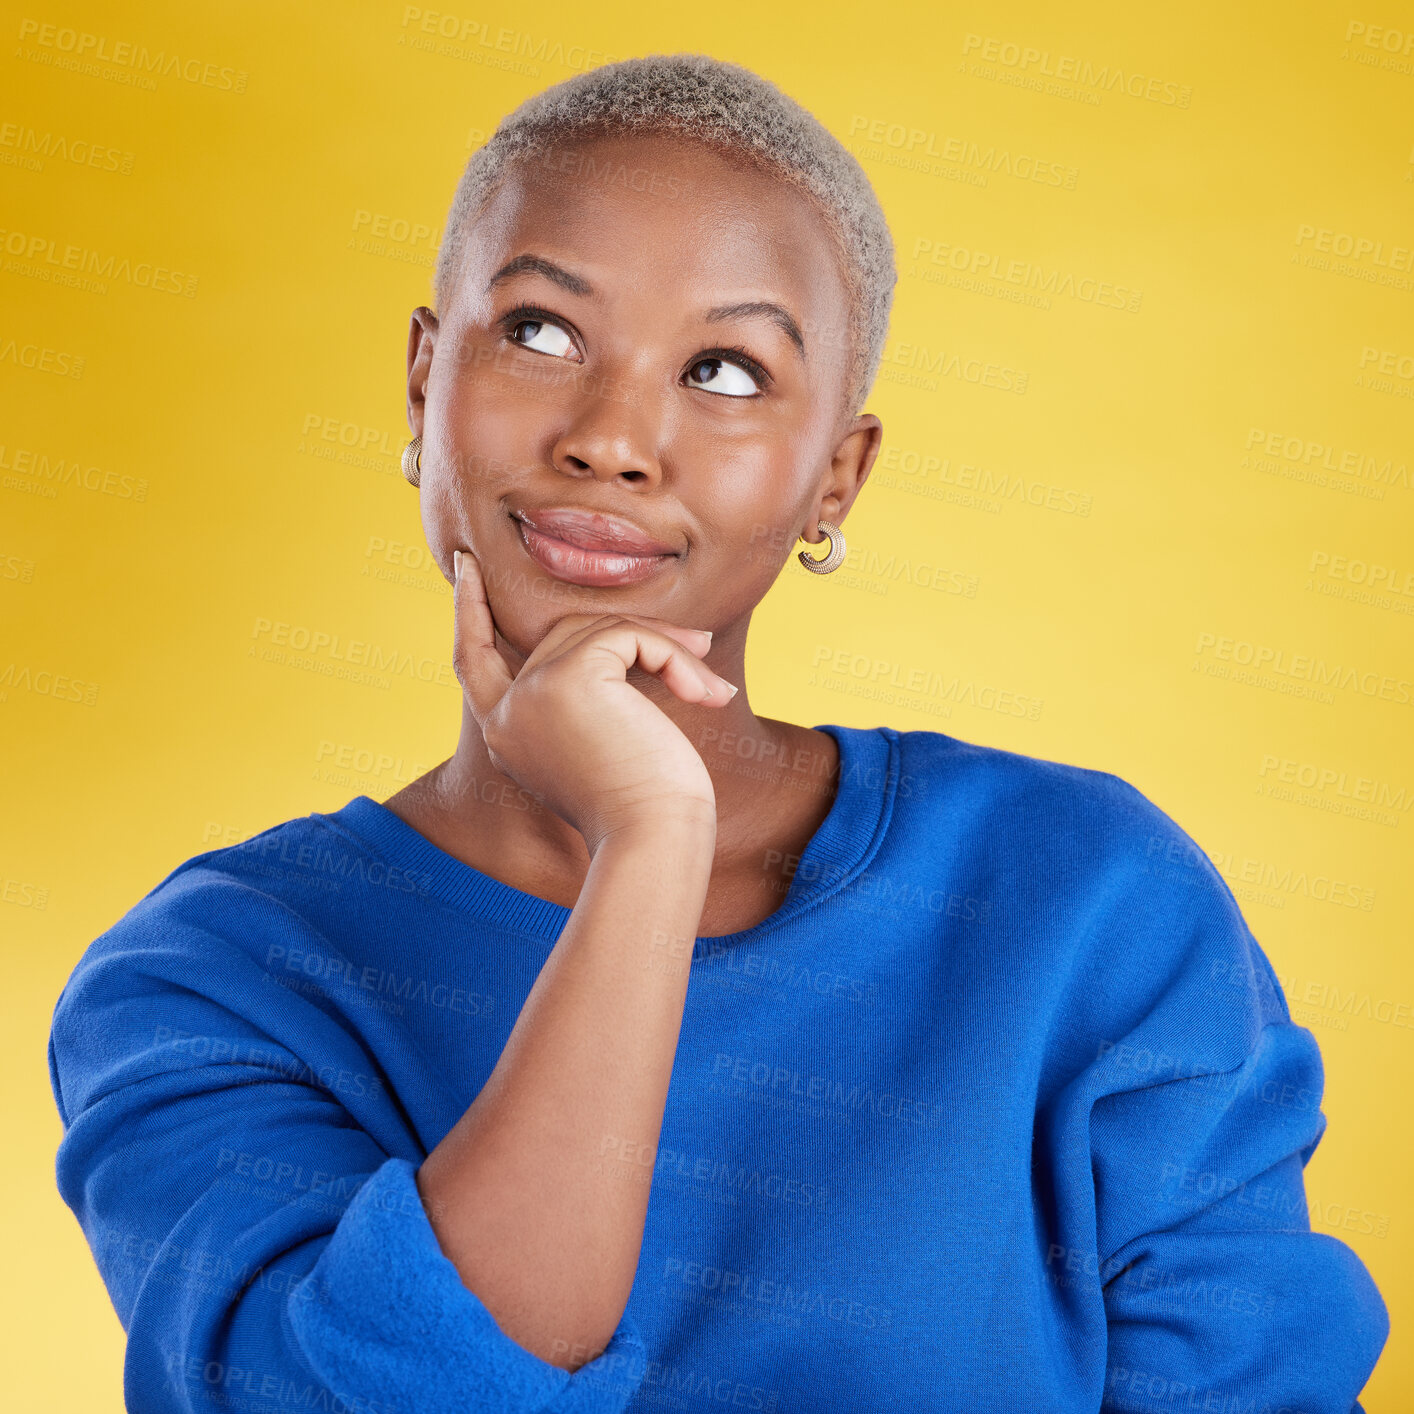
(845,842)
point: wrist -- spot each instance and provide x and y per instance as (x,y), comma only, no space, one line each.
(686,826)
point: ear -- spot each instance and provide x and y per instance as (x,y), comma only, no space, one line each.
(422,339)
(850,465)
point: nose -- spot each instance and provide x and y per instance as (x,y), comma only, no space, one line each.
(611,433)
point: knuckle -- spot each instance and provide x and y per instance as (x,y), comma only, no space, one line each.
(549,679)
(496,728)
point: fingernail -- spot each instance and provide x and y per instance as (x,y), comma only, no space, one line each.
(707,632)
(457,565)
(732,686)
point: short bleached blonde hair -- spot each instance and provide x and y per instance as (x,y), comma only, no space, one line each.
(723,105)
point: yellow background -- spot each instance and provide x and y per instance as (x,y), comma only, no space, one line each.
(1131,536)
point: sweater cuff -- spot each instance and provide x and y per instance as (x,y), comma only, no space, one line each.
(396,1328)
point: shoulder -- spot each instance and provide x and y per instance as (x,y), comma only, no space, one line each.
(277,863)
(1124,900)
(199,969)
(1033,793)
(221,912)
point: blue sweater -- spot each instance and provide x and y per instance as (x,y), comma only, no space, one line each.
(1002,1109)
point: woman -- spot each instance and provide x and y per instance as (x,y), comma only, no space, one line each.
(648,1050)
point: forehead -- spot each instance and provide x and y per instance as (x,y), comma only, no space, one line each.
(665,219)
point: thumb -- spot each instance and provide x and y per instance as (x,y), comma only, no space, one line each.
(478,665)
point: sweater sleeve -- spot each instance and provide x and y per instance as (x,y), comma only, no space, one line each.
(248,1190)
(1215,1287)
(1184,1142)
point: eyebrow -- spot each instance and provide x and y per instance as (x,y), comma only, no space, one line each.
(577,285)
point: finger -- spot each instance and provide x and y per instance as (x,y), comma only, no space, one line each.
(698,640)
(564,632)
(618,645)
(475,610)
(478,665)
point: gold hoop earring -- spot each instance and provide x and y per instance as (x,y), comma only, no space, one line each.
(412,461)
(834,559)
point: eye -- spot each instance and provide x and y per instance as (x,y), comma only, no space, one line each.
(542,334)
(727,375)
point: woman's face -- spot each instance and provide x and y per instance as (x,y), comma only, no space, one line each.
(589,359)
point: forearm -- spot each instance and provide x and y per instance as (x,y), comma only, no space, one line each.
(531,1204)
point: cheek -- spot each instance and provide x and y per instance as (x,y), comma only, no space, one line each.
(442,521)
(484,438)
(762,519)
(489,416)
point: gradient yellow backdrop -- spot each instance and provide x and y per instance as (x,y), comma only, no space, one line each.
(1148,402)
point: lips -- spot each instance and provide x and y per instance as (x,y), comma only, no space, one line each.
(588,548)
(592,530)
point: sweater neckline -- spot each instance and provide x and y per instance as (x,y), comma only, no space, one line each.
(840,848)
